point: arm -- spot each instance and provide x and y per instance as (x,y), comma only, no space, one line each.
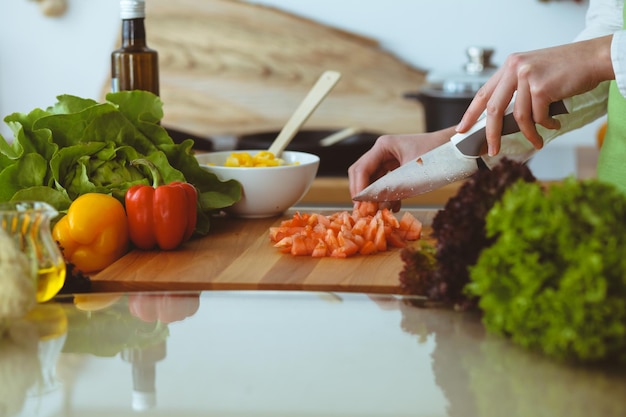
(541,77)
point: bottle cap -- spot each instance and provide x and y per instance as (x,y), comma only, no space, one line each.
(143,401)
(132,9)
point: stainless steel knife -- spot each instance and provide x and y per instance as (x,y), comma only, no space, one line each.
(447,163)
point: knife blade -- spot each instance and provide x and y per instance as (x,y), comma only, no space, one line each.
(445,164)
(434,169)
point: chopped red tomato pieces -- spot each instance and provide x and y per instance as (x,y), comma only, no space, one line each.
(367,230)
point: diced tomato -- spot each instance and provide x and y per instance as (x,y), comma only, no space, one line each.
(368,248)
(390,219)
(320,249)
(366,230)
(396,240)
(411,225)
(285,244)
(370,231)
(298,219)
(380,239)
(346,245)
(366,208)
(299,246)
(324,221)
(359,226)
(331,240)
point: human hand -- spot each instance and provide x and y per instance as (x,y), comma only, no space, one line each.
(538,78)
(388,153)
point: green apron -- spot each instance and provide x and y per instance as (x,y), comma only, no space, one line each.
(612,160)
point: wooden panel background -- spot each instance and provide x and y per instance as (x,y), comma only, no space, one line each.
(229,67)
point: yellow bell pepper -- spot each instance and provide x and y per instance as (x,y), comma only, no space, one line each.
(260,159)
(94,232)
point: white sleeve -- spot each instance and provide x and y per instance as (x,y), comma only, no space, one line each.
(618,57)
(603,17)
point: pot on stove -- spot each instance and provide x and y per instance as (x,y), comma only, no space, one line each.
(446,96)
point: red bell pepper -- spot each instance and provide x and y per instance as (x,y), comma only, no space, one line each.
(160,215)
(165,308)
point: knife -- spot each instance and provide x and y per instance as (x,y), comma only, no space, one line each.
(445,164)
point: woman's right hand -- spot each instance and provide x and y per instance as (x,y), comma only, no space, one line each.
(538,78)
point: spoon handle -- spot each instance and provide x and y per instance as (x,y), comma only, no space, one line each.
(338,136)
(322,87)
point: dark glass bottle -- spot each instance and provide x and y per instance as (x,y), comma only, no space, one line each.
(134,66)
(144,362)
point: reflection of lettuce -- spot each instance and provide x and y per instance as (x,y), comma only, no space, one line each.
(488,376)
(79,146)
(109,331)
(508,381)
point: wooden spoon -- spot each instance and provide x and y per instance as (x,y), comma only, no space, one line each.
(322,87)
(338,136)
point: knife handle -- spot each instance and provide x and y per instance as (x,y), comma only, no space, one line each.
(473,143)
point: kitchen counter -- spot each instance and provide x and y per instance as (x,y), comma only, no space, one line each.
(266,353)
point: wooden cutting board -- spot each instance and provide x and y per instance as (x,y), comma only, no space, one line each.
(238,255)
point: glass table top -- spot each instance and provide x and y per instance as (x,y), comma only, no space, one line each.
(255,353)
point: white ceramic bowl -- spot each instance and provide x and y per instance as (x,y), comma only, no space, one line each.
(267,191)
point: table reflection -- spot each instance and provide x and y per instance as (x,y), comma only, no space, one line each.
(153,308)
(282,354)
(485,375)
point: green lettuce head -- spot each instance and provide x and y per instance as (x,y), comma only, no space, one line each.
(555,278)
(80,146)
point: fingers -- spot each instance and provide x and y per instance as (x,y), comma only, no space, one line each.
(493,128)
(370,166)
(367,169)
(359,174)
(528,108)
(478,104)
(542,116)
(494,99)
(473,112)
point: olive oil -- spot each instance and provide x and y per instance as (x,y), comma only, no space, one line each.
(134,66)
(27,223)
(50,280)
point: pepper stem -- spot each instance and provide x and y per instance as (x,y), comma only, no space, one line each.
(155,174)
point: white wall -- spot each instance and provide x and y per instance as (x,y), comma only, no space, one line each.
(433,34)
(43,57)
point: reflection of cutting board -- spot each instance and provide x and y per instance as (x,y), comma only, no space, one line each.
(230,67)
(238,255)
